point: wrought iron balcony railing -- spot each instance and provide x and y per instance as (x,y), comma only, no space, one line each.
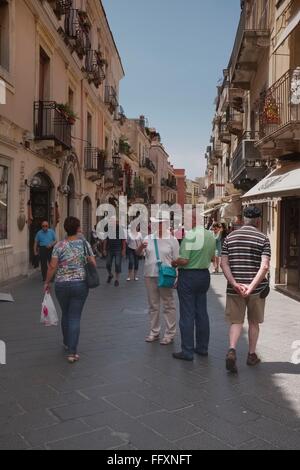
(147,163)
(247,163)
(51,124)
(111,99)
(94,160)
(95,67)
(279,107)
(61,7)
(76,33)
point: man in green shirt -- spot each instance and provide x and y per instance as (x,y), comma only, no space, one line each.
(196,253)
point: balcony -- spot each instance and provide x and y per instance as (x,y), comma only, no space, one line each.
(171,183)
(235,123)
(148,164)
(94,163)
(61,7)
(111,99)
(95,67)
(76,32)
(279,116)
(216,150)
(247,167)
(210,192)
(50,124)
(224,134)
(252,38)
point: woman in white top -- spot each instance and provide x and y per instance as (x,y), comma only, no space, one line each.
(134,241)
(168,248)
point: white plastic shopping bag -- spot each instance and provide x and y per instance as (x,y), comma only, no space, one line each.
(49,315)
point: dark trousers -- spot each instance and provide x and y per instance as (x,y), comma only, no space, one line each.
(45,257)
(71,297)
(117,256)
(193,286)
(133,260)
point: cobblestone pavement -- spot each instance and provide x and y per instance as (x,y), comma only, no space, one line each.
(126,394)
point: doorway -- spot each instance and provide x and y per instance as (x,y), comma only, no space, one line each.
(87,217)
(40,203)
(290,244)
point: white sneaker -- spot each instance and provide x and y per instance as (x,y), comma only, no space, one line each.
(128,279)
(136,278)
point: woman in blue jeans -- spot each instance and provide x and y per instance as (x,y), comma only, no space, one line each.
(68,262)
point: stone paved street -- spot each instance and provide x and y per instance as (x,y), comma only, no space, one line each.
(126,394)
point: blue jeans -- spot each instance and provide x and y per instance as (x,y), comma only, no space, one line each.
(193,286)
(117,256)
(71,297)
(133,260)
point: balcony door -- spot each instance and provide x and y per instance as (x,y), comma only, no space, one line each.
(44,76)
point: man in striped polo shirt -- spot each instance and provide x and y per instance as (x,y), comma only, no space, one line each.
(246,262)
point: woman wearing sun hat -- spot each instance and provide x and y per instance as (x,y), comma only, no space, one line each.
(168,251)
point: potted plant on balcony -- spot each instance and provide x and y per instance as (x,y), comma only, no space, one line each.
(84,19)
(67,112)
(271,111)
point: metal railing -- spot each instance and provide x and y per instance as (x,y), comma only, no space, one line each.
(51,124)
(147,163)
(61,7)
(111,98)
(246,155)
(75,31)
(95,67)
(94,160)
(280,104)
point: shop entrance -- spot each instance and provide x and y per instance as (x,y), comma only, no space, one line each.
(40,206)
(290,246)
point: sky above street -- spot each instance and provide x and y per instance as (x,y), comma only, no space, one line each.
(174,53)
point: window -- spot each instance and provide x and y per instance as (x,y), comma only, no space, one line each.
(3,201)
(4,34)
(71,99)
(44,77)
(89,129)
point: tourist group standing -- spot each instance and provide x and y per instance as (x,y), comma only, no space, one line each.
(244,256)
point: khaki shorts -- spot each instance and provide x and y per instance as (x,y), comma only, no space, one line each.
(236,307)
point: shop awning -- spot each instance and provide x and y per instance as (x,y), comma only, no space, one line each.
(288,30)
(280,182)
(230,210)
(213,209)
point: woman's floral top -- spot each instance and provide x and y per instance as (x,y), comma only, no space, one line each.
(71,260)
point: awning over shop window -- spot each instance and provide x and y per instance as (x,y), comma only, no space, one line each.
(282,181)
(210,211)
(288,30)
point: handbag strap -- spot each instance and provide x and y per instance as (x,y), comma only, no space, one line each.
(157,251)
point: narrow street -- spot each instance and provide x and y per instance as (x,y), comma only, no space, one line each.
(126,394)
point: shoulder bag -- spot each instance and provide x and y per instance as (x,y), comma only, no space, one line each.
(167,274)
(92,276)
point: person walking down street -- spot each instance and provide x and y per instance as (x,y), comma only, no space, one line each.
(43,245)
(196,253)
(134,241)
(68,261)
(115,250)
(246,262)
(217,231)
(168,250)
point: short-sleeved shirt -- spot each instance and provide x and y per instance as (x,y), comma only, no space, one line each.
(45,238)
(245,248)
(168,251)
(71,260)
(199,247)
